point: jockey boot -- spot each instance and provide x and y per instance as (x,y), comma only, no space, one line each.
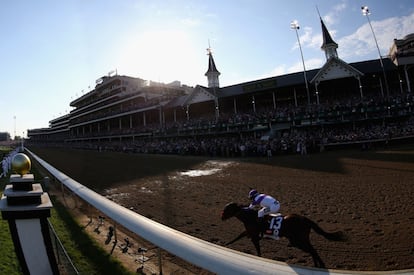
(269,231)
(262,222)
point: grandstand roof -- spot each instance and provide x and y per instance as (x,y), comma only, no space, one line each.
(201,93)
(296,79)
(177,102)
(374,66)
(336,68)
(266,83)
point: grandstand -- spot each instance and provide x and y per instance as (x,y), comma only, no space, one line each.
(4,136)
(348,103)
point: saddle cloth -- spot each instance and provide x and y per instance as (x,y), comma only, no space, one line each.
(275,222)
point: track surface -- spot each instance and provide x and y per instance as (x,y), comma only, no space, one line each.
(368,195)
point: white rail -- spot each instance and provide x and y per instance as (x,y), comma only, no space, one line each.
(206,255)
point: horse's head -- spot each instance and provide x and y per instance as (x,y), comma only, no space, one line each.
(230,210)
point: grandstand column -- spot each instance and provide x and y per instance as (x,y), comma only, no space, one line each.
(216,107)
(26,208)
(296,97)
(382,89)
(407,79)
(254,104)
(317,97)
(160,116)
(317,91)
(360,88)
(235,105)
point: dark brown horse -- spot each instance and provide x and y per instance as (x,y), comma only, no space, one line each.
(295,228)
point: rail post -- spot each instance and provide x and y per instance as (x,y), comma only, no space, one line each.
(26,208)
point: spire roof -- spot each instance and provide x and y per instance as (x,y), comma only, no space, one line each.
(211,64)
(327,39)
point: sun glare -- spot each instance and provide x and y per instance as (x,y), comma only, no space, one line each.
(162,55)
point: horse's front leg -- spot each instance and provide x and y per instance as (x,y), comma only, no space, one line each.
(243,234)
(256,242)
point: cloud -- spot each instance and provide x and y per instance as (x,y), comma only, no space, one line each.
(362,43)
(279,70)
(313,40)
(190,22)
(332,16)
(308,39)
(310,64)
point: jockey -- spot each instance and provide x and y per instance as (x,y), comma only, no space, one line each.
(269,204)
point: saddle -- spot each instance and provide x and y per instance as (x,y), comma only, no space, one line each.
(274,222)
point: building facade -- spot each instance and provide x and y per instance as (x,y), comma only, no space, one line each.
(127,109)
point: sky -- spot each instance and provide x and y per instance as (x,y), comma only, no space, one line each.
(52,52)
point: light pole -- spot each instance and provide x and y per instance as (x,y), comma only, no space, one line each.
(295,26)
(365,11)
(14,117)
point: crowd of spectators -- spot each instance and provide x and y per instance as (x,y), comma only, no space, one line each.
(299,140)
(310,129)
(318,114)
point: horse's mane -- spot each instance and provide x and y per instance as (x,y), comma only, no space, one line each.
(243,206)
(247,209)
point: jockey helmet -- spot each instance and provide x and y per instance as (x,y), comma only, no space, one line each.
(253,193)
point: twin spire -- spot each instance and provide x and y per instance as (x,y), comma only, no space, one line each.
(212,72)
(329,46)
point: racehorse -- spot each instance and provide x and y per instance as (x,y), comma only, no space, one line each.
(294,227)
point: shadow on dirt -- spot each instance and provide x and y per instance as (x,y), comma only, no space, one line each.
(331,161)
(137,166)
(81,165)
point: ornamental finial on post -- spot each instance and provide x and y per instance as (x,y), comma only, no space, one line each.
(21,164)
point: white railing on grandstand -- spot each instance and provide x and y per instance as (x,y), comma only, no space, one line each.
(206,255)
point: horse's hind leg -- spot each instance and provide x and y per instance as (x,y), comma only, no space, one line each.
(317,261)
(307,247)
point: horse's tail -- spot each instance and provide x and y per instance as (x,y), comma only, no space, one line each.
(332,236)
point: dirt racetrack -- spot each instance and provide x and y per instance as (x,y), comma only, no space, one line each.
(367,194)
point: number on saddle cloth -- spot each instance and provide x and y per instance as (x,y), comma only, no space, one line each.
(275,224)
